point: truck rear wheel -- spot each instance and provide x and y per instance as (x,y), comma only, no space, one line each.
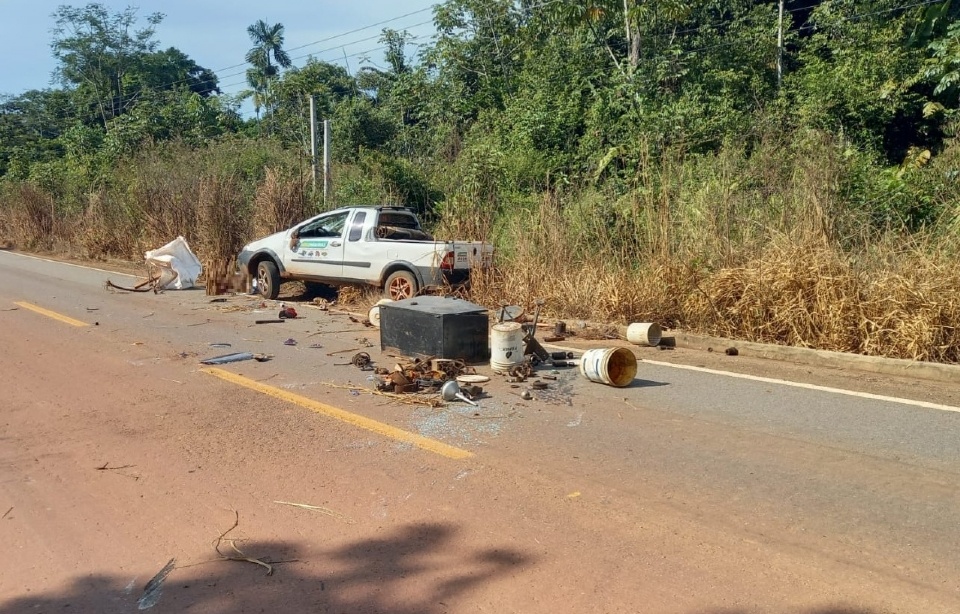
(400,285)
(268,279)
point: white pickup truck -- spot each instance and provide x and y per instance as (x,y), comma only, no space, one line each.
(380,246)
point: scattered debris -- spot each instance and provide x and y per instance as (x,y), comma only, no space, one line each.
(315,346)
(732,351)
(290,341)
(7,513)
(277,321)
(342,351)
(317,508)
(174,265)
(531,345)
(409,399)
(151,592)
(362,361)
(644,333)
(510,313)
(521,372)
(219,345)
(218,300)
(151,284)
(236,357)
(240,555)
(287,312)
(107,467)
(334,332)
(451,392)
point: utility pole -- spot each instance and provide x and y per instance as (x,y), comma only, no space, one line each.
(313,140)
(327,179)
(780,47)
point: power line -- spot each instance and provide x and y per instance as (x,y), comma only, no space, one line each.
(342,34)
(350,55)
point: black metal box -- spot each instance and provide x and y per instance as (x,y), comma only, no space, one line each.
(440,327)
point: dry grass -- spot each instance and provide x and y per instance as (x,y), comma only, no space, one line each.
(900,298)
(809,295)
(221,221)
(279,203)
(29,217)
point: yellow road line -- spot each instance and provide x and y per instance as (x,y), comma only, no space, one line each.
(50,314)
(424,443)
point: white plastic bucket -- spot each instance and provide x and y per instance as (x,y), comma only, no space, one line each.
(374,314)
(644,333)
(506,346)
(611,366)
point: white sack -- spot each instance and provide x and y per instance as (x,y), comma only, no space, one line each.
(179,267)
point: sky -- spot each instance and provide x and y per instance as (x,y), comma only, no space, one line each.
(214,34)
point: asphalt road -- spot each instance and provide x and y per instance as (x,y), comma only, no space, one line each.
(711,485)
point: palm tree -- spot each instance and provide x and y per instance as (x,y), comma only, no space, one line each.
(267,49)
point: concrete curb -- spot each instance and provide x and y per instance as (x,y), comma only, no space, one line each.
(823,358)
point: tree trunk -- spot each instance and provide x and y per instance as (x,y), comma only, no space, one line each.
(633,36)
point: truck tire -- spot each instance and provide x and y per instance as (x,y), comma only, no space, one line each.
(268,279)
(400,285)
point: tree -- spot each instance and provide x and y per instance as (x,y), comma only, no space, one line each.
(173,69)
(608,19)
(96,49)
(328,83)
(267,49)
(30,125)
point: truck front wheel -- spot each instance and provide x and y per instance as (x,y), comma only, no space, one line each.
(400,285)
(268,279)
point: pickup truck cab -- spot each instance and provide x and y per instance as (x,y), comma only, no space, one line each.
(381,246)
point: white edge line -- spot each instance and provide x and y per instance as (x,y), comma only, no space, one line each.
(79,266)
(770,380)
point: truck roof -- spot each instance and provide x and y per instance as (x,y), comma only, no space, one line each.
(392,207)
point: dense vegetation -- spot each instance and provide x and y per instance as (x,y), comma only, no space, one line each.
(709,164)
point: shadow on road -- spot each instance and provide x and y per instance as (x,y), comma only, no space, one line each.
(827,610)
(645,383)
(416,569)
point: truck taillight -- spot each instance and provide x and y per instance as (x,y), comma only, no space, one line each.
(448,260)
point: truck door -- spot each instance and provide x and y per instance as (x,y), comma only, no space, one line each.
(316,248)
